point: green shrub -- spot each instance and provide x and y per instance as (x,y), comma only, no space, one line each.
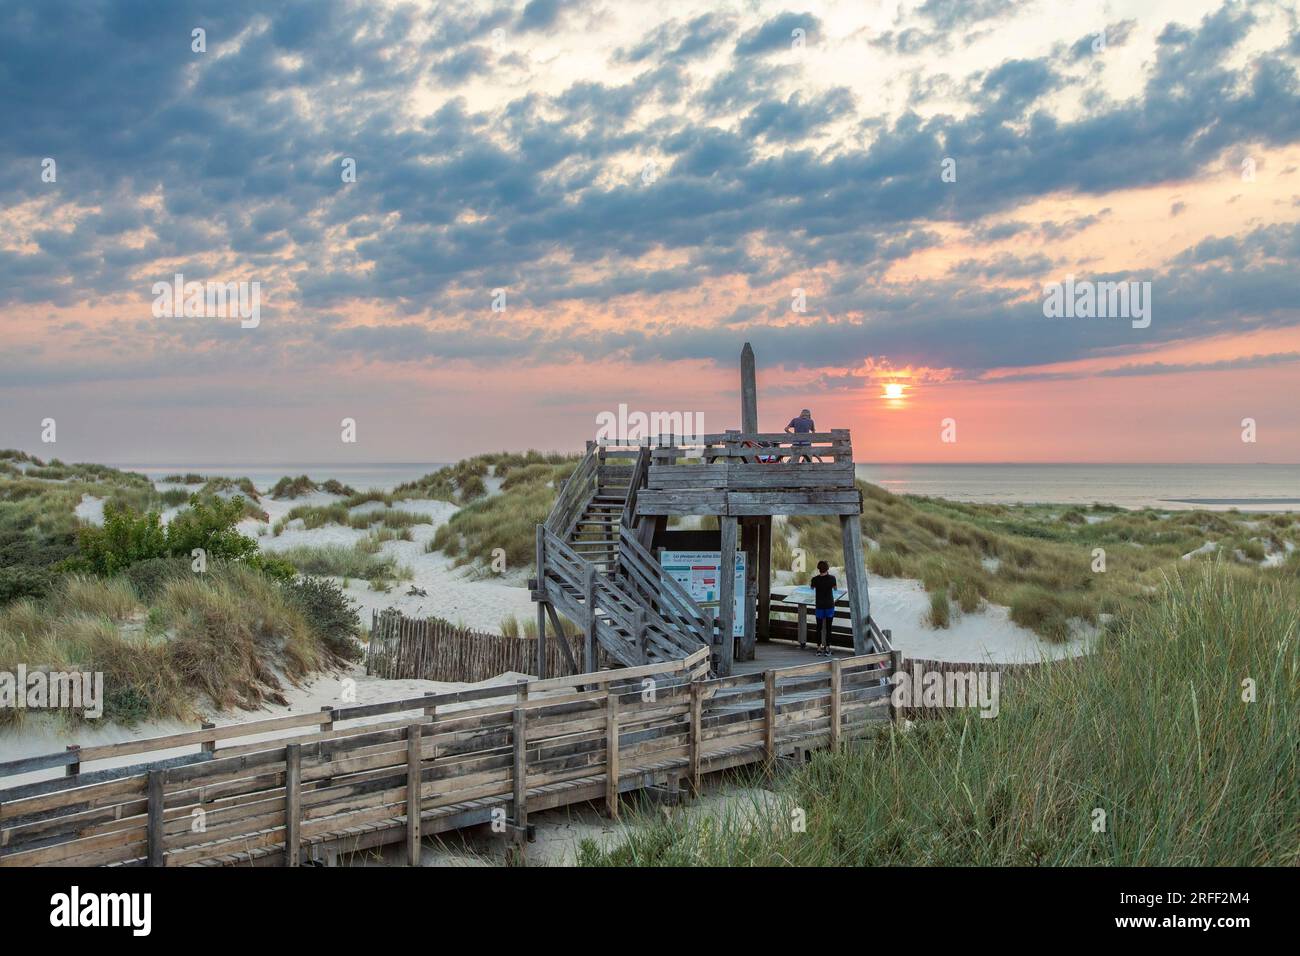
(125,538)
(151,576)
(209,523)
(18,581)
(329,613)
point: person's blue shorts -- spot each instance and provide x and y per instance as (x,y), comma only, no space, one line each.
(824,613)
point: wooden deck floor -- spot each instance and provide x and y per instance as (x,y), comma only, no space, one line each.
(784,654)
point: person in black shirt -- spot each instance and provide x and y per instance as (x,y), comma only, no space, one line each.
(823,585)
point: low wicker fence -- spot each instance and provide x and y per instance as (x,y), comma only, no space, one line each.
(433,649)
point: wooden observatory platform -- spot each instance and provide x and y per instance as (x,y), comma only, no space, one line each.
(598,551)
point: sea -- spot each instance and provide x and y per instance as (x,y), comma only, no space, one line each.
(1247,487)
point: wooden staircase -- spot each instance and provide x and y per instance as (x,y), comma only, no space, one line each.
(591,568)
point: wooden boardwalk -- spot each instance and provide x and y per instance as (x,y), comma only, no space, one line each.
(360,777)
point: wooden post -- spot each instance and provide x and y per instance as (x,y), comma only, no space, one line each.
(519,741)
(74,768)
(329,724)
(895,665)
(749,544)
(764,578)
(697,708)
(208,746)
(413,782)
(611,753)
(589,600)
(156,779)
(803,624)
(292,804)
(727,594)
(769,718)
(836,682)
(541,604)
(748,392)
(856,572)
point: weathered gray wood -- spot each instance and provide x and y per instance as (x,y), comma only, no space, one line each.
(769,717)
(558,630)
(611,754)
(837,677)
(764,578)
(749,544)
(748,391)
(520,744)
(589,606)
(697,712)
(856,573)
(156,781)
(292,804)
(727,594)
(413,733)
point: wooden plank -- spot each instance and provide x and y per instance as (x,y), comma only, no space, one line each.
(856,572)
(769,717)
(292,804)
(413,781)
(157,854)
(697,700)
(836,677)
(727,593)
(611,756)
(520,773)
(764,578)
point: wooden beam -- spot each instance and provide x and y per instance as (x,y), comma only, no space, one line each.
(836,683)
(611,753)
(748,391)
(769,718)
(561,639)
(697,710)
(764,578)
(589,604)
(413,775)
(519,741)
(292,804)
(156,779)
(749,544)
(856,572)
(727,594)
(541,610)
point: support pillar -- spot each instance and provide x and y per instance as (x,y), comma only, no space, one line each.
(749,544)
(764,578)
(856,572)
(726,594)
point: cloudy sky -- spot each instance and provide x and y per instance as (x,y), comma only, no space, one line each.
(872,193)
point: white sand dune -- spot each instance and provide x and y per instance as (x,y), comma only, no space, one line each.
(41,734)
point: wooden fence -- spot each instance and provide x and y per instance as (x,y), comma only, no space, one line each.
(434,649)
(435,763)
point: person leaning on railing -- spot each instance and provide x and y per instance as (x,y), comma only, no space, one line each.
(803,425)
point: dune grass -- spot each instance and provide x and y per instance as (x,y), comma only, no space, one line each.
(220,638)
(1152,730)
(507,521)
(344,561)
(1052,566)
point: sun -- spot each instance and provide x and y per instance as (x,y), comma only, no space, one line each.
(893,390)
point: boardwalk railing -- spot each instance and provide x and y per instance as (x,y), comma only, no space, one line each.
(436,763)
(622,621)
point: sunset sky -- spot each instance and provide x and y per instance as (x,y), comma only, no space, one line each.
(650,183)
